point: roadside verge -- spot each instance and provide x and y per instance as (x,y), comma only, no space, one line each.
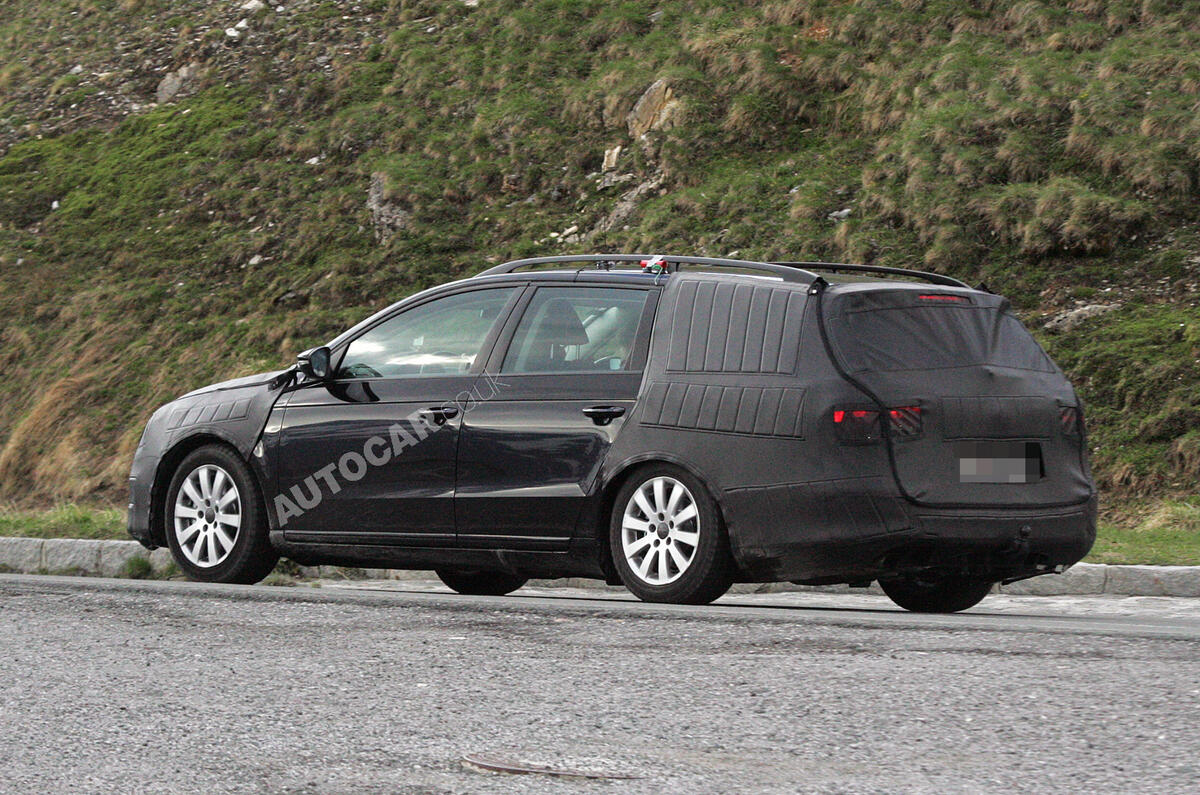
(86,557)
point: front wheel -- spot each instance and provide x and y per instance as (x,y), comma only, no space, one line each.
(215,523)
(480,583)
(667,538)
(936,595)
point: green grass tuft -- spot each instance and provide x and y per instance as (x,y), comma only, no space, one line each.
(66,521)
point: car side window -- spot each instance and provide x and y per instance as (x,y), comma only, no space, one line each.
(440,337)
(576,330)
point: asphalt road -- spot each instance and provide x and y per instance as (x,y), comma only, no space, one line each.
(111,686)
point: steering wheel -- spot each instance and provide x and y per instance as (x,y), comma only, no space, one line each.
(605,363)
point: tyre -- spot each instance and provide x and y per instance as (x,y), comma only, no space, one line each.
(941,595)
(481,583)
(668,540)
(215,523)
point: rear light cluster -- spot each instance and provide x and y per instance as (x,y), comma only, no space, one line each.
(863,425)
(1070,420)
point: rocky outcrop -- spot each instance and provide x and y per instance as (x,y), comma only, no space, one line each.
(178,83)
(611,156)
(625,206)
(655,110)
(387,217)
(1067,321)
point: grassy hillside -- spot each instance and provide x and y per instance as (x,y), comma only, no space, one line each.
(324,159)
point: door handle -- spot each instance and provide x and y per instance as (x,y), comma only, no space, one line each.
(439,414)
(603,415)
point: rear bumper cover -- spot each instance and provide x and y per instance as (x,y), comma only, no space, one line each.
(827,536)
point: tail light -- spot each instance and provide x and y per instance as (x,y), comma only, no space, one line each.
(1070,420)
(863,425)
(856,425)
(906,421)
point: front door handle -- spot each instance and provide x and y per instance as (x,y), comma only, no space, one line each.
(439,414)
(603,415)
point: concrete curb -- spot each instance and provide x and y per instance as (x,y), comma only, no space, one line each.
(112,559)
(78,556)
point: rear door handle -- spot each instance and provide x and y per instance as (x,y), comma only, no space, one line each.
(603,415)
(439,414)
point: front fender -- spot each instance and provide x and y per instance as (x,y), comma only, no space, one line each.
(233,414)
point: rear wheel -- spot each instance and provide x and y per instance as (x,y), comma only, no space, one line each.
(215,523)
(936,595)
(481,583)
(667,538)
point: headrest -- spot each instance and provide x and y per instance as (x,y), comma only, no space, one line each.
(559,324)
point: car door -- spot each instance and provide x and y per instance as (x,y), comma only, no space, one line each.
(555,394)
(368,456)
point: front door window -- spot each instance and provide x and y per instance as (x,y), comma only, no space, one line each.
(443,337)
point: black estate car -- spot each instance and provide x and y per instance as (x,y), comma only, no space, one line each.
(676,424)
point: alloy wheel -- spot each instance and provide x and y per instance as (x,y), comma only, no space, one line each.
(208,516)
(660,530)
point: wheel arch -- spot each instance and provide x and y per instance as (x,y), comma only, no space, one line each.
(619,476)
(170,462)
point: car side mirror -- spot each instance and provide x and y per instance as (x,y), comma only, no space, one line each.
(314,363)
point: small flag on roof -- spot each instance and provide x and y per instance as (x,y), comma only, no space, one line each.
(655,264)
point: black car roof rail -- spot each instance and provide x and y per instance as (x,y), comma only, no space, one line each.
(786,271)
(834,267)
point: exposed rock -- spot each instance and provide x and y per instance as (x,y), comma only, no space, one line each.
(654,111)
(610,159)
(609,180)
(257,259)
(292,299)
(387,217)
(625,206)
(233,33)
(177,83)
(840,215)
(242,24)
(1068,320)
(77,69)
(253,5)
